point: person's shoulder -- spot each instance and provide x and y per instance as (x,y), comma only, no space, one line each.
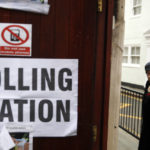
(147,84)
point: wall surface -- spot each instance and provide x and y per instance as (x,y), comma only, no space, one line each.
(135,34)
(116,59)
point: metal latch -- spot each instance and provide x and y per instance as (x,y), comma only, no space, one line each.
(100,5)
(94,133)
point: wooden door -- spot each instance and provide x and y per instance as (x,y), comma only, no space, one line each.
(75,29)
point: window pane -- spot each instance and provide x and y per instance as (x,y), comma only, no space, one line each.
(135,60)
(137,10)
(133,51)
(138,60)
(139,1)
(134,2)
(125,52)
(132,60)
(137,50)
(125,59)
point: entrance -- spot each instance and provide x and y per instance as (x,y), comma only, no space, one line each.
(76,29)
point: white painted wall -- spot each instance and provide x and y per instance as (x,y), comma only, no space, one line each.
(135,27)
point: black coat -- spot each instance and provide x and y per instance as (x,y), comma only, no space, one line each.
(144,143)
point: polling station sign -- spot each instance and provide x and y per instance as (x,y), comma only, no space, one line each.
(40,94)
(15,39)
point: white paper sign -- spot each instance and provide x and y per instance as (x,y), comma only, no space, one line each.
(37,6)
(41,93)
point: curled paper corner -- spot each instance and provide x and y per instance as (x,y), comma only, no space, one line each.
(27,6)
(6,142)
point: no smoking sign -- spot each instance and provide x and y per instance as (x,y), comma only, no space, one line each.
(15,39)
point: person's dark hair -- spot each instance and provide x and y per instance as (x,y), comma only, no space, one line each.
(147,67)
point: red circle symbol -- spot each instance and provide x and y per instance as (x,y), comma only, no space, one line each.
(22,41)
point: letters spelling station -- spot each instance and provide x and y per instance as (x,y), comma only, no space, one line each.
(47,82)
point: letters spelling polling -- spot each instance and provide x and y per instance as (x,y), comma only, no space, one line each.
(47,77)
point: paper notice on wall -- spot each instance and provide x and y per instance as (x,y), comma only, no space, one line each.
(39,95)
(22,136)
(37,6)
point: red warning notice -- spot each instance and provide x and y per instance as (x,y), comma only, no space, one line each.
(15,39)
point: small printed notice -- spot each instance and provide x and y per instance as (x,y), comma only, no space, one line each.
(22,136)
(36,6)
(39,97)
(15,39)
(21,141)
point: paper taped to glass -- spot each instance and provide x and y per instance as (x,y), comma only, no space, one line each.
(36,6)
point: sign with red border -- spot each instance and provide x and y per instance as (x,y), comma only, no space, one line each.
(15,39)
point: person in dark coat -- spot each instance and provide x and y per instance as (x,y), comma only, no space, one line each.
(144,142)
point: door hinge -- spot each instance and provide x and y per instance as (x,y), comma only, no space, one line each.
(94,133)
(100,5)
